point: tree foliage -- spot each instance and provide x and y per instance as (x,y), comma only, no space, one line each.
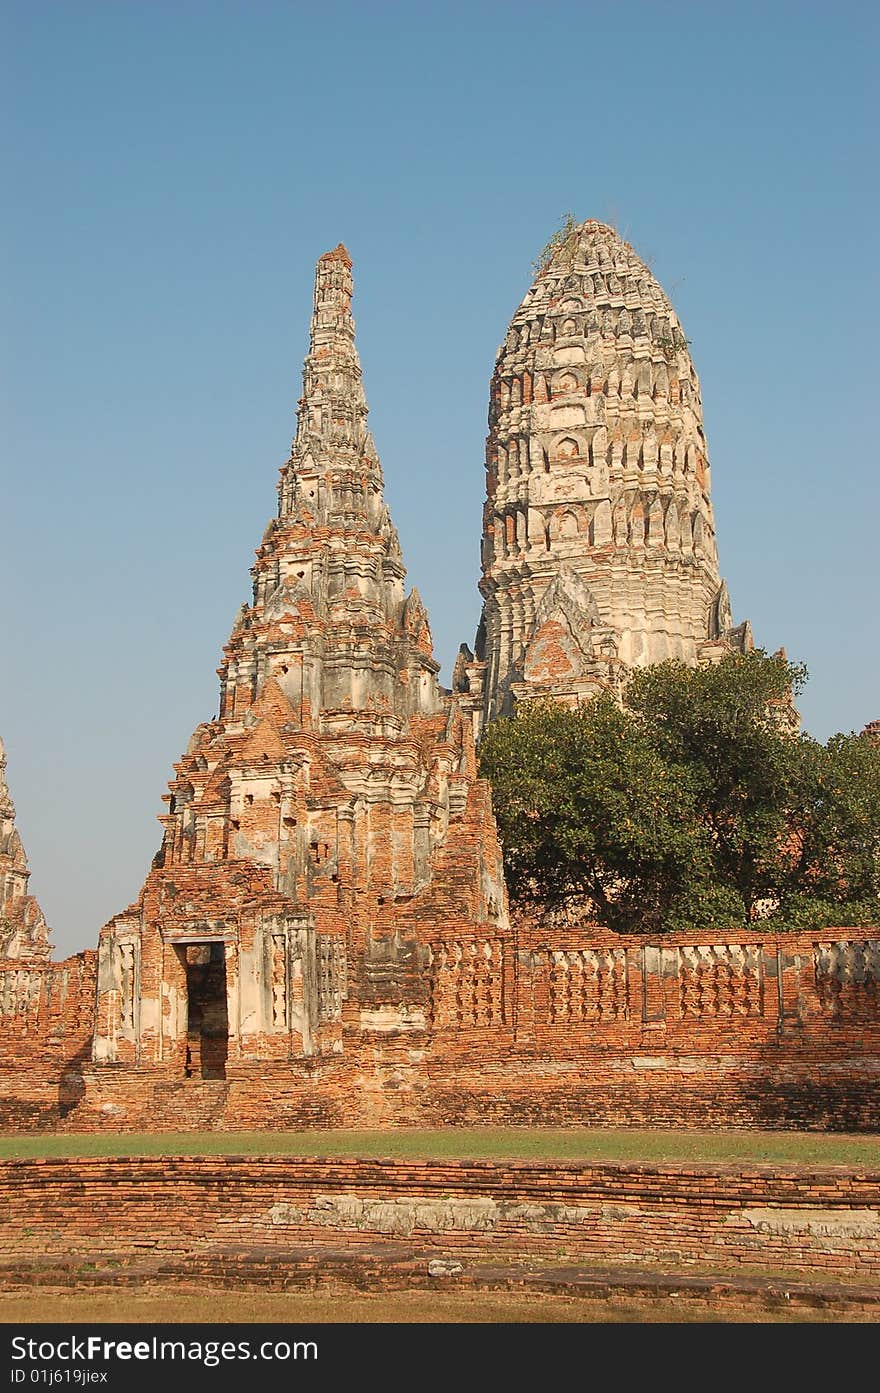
(695,803)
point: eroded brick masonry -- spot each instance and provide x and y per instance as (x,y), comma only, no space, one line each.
(323,937)
(292,1220)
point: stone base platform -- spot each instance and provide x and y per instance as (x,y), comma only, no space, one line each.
(721,1236)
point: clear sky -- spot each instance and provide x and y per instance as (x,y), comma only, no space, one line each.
(173,171)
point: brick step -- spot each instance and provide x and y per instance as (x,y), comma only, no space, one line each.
(388,1267)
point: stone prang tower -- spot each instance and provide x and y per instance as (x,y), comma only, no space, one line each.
(327,828)
(598,551)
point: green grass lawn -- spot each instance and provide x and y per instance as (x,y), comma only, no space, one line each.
(474,1143)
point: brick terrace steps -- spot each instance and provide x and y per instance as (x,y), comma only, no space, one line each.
(376,1223)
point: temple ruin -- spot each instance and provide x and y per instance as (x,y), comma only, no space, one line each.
(323,937)
(322,827)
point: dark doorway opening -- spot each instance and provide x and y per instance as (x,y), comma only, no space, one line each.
(207,1036)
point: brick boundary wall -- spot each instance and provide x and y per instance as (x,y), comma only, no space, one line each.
(569,1026)
(807,1221)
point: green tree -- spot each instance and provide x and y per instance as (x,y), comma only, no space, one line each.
(695,803)
(587,807)
(834,874)
(730,727)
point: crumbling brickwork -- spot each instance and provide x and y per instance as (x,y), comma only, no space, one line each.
(325,824)
(821,1221)
(570,1026)
(47,1009)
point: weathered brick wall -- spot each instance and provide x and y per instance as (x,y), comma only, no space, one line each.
(803,1220)
(47,1016)
(696,1029)
(569,1026)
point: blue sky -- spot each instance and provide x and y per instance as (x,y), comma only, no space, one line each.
(172,173)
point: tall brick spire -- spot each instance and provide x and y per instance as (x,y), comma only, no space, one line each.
(330,621)
(325,826)
(333,408)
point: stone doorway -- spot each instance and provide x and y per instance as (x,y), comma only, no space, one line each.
(207,1034)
